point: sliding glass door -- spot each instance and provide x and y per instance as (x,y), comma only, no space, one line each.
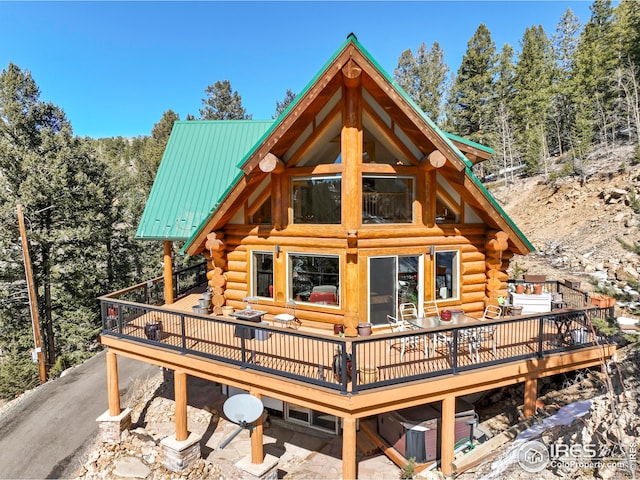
(393,280)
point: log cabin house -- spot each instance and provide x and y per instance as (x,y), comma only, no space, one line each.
(349,204)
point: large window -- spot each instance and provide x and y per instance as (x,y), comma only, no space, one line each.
(393,280)
(447,275)
(316,199)
(262,270)
(387,199)
(315,278)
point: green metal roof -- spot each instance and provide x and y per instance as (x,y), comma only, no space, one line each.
(471,143)
(197,169)
(203,159)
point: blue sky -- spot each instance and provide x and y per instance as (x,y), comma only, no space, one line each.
(116,67)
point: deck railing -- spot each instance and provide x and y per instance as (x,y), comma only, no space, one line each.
(355,364)
(151,292)
(571,296)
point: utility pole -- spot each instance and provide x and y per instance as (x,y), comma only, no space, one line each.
(33,302)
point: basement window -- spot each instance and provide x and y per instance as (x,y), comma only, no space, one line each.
(312,418)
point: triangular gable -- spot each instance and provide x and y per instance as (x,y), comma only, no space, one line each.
(197,169)
(277,139)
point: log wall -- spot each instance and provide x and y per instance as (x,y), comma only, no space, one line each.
(482,267)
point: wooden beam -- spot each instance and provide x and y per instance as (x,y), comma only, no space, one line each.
(448,435)
(180,395)
(257,448)
(113,392)
(271,164)
(351,145)
(349,462)
(530,397)
(434,160)
(168,273)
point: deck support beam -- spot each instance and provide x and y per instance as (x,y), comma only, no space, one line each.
(168,272)
(257,447)
(349,462)
(530,397)
(448,434)
(180,395)
(112,422)
(113,391)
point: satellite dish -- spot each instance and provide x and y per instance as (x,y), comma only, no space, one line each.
(242,409)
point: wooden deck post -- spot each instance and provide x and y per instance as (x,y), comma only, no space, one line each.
(349,462)
(257,448)
(448,434)
(168,273)
(113,392)
(180,394)
(351,146)
(530,397)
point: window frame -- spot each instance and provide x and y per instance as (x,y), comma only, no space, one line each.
(300,178)
(254,279)
(456,277)
(290,289)
(414,183)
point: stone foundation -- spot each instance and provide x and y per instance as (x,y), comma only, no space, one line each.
(110,428)
(267,470)
(181,455)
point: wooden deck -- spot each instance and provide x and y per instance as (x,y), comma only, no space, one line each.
(312,353)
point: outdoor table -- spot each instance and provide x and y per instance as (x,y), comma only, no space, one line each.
(466,337)
(248,315)
(431,323)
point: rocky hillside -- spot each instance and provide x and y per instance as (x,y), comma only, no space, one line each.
(575,222)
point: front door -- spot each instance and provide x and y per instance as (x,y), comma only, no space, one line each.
(393,280)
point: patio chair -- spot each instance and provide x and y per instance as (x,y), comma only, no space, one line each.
(416,342)
(491,333)
(408,311)
(430,309)
(468,340)
(288,318)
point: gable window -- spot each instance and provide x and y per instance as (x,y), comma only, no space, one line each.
(262,215)
(447,275)
(316,199)
(387,199)
(262,274)
(315,278)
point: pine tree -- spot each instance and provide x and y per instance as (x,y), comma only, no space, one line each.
(62,186)
(282,106)
(149,161)
(593,80)
(405,74)
(627,35)
(423,78)
(470,98)
(565,42)
(503,118)
(221,103)
(532,98)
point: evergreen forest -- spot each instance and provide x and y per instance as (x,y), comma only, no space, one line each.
(555,95)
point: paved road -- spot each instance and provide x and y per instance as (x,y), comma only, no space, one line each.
(45,434)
